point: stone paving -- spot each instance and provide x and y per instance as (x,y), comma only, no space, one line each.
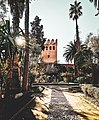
(59,108)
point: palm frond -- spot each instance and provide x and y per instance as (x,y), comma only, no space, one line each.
(78,4)
(75,10)
(70,51)
(95,2)
(91,0)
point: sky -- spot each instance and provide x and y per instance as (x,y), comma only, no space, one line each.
(54,15)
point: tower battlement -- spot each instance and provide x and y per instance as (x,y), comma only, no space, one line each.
(50,42)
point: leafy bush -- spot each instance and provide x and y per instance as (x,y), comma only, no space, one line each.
(96,93)
(90,90)
(84,88)
(79,80)
(66,76)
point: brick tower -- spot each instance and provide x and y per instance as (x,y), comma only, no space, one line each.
(49,55)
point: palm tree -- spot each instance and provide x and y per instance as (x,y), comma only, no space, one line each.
(80,58)
(17,9)
(70,51)
(75,13)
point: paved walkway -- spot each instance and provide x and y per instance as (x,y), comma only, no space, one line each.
(60,108)
(58,104)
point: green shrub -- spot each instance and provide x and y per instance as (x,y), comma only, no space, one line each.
(96,93)
(90,90)
(79,80)
(84,88)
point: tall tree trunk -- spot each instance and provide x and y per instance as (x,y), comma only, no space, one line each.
(16,18)
(11,58)
(77,43)
(26,64)
(77,38)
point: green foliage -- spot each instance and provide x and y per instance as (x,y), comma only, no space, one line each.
(65,74)
(91,93)
(16,9)
(7,42)
(90,90)
(70,51)
(37,44)
(96,93)
(75,10)
(3,9)
(84,88)
(82,57)
(75,13)
(37,31)
(79,80)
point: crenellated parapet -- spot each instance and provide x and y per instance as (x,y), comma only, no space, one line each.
(49,42)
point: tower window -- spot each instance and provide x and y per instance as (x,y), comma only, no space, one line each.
(48,56)
(50,47)
(53,47)
(46,47)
